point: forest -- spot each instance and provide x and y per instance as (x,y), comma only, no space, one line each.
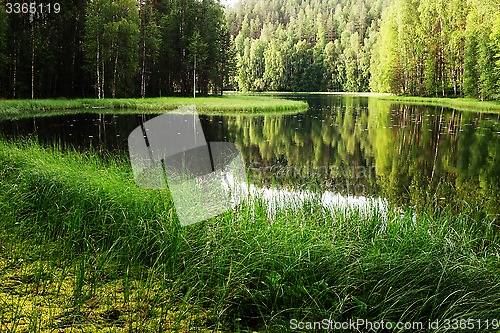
(130,48)
(119,48)
(412,47)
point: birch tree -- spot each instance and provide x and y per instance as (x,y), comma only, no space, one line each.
(111,44)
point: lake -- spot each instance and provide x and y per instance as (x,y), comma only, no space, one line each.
(354,147)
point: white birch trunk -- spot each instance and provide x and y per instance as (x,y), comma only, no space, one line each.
(194,77)
(32,60)
(98,85)
(113,93)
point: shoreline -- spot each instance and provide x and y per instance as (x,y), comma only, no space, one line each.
(459,103)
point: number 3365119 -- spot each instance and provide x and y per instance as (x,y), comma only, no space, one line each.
(32,8)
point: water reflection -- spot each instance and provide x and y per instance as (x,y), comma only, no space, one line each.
(102,132)
(412,155)
(355,147)
(292,201)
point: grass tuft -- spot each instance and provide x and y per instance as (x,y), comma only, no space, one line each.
(84,248)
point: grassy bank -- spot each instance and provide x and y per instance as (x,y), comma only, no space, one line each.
(83,248)
(229,103)
(461,104)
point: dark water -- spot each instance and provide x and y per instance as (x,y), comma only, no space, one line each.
(350,145)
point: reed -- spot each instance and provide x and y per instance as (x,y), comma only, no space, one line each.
(84,248)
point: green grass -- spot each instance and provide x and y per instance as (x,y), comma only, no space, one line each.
(461,104)
(84,249)
(232,103)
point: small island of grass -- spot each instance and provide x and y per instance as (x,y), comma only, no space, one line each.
(238,104)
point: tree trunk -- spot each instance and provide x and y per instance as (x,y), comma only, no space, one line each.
(14,76)
(102,78)
(113,93)
(143,67)
(436,147)
(98,85)
(194,78)
(32,60)
(143,71)
(441,60)
(454,78)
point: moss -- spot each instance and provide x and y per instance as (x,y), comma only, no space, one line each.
(49,302)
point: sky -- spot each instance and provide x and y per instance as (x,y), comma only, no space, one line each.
(229,2)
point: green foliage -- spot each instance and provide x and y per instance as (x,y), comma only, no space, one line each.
(334,69)
(437,48)
(482,70)
(146,48)
(149,44)
(110,45)
(274,74)
(384,57)
(256,65)
(122,48)
(44,53)
(309,46)
(192,28)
